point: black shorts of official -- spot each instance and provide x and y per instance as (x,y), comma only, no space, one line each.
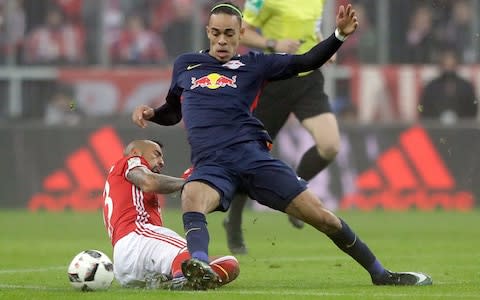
(302,95)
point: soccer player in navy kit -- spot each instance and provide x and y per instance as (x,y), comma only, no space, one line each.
(215,92)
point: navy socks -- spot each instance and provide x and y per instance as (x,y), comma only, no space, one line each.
(196,234)
(348,242)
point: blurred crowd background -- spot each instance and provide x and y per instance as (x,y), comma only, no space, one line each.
(64,60)
(72,71)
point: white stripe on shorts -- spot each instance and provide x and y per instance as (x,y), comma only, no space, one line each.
(162,237)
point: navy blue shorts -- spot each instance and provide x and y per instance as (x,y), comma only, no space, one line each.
(249,167)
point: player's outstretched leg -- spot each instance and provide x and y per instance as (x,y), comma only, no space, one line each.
(233,225)
(351,244)
(309,208)
(196,269)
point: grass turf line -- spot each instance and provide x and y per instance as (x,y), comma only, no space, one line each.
(283,262)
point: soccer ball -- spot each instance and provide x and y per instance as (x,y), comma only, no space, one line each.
(90,270)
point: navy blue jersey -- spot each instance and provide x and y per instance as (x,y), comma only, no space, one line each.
(217,98)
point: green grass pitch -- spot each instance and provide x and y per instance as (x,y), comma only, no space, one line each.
(283,262)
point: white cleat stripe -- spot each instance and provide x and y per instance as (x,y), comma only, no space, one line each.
(421,277)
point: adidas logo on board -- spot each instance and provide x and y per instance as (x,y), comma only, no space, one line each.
(409,175)
(79,185)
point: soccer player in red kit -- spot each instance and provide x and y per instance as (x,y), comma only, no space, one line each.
(145,253)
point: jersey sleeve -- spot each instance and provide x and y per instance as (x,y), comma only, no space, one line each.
(276,66)
(170,113)
(134,162)
(175,91)
(256,12)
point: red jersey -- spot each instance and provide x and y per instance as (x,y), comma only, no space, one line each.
(127,208)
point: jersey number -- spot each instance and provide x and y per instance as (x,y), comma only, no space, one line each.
(108,206)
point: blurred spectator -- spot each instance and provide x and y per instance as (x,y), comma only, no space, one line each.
(137,44)
(448,97)
(458,30)
(177,33)
(161,14)
(420,39)
(4,38)
(61,109)
(72,9)
(55,42)
(114,17)
(12,27)
(361,47)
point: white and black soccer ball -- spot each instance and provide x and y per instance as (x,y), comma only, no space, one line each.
(90,270)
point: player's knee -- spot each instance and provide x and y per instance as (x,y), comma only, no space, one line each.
(199,197)
(187,199)
(328,151)
(190,204)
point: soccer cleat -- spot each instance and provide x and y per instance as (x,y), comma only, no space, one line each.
(297,223)
(403,278)
(179,284)
(235,242)
(200,274)
(156,280)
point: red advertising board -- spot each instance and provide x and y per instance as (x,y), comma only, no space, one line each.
(118,90)
(379,92)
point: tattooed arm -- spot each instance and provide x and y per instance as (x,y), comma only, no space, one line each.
(149,181)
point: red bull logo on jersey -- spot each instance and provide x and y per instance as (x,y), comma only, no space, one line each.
(214,81)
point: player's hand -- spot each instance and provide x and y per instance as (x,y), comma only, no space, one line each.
(141,114)
(287,46)
(347,21)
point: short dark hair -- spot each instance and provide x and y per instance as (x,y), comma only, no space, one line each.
(227,7)
(158,143)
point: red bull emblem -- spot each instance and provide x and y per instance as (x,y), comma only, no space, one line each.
(214,81)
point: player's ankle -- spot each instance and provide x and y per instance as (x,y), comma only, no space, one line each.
(377,271)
